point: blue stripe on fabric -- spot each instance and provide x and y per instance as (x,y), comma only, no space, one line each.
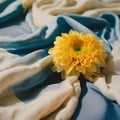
(11,11)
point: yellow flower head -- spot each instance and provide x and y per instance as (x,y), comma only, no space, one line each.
(76,53)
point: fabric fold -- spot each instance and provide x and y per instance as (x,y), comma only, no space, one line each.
(21,68)
(47,10)
(109,84)
(65,97)
(29,89)
(110,90)
(13,9)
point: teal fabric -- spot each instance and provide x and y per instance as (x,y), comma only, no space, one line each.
(10,9)
(43,37)
(20,36)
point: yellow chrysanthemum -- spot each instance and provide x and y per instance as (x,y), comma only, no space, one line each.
(76,53)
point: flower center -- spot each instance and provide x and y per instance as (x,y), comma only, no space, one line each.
(77,48)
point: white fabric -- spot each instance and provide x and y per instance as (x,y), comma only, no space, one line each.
(44,11)
(58,104)
(110,90)
(14,72)
(109,85)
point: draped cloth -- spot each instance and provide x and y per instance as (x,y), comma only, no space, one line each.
(48,9)
(29,90)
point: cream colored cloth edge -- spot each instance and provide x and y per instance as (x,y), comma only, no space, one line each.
(109,85)
(43,12)
(55,104)
(45,104)
(17,74)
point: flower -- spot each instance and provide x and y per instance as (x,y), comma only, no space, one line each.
(78,53)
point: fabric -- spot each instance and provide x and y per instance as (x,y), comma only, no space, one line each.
(28,87)
(109,85)
(66,95)
(10,9)
(44,11)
